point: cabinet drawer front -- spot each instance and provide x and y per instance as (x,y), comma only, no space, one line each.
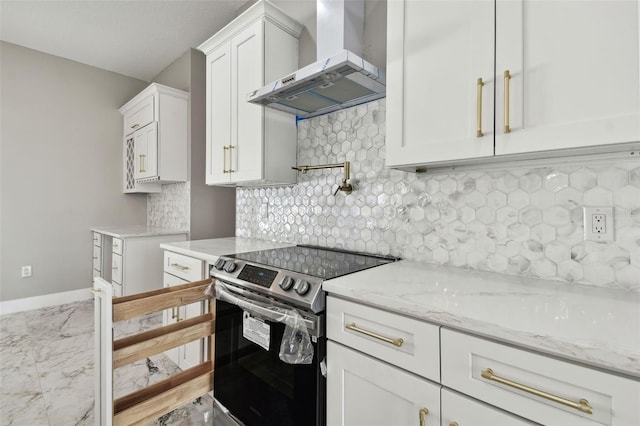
(97,239)
(139,116)
(399,340)
(534,386)
(117,245)
(181,266)
(116,269)
(97,258)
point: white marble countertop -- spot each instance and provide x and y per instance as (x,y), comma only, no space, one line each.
(210,250)
(595,326)
(136,231)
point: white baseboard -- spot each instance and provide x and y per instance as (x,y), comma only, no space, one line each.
(37,302)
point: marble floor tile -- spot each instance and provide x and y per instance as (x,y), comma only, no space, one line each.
(47,369)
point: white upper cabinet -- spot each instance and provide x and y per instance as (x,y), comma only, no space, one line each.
(156,138)
(436,53)
(247,144)
(573,79)
(575,74)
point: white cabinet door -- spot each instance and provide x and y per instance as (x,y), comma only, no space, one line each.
(146,152)
(461,410)
(575,74)
(247,145)
(188,355)
(191,352)
(436,52)
(103,352)
(245,153)
(363,391)
(218,115)
(170,316)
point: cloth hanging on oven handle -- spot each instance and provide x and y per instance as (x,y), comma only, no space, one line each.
(296,346)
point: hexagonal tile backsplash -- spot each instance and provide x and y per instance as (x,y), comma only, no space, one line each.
(518,220)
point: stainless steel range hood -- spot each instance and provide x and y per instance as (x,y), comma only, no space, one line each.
(339,79)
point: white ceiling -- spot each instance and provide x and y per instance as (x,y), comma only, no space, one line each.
(135,38)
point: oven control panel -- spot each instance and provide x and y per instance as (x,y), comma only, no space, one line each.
(256,275)
(300,289)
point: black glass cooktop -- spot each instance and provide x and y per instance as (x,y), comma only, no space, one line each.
(318,262)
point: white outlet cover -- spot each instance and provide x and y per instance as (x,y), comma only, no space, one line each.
(608,233)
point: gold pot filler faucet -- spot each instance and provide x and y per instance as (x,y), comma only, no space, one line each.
(344,186)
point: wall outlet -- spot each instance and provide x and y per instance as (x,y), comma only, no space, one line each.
(598,223)
(25,272)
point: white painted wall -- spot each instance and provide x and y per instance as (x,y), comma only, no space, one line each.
(61,168)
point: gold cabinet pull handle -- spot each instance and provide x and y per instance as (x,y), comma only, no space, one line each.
(582,405)
(95,290)
(179,266)
(423,416)
(507,79)
(114,267)
(224,159)
(396,342)
(454,424)
(135,126)
(173,313)
(479,109)
(231,159)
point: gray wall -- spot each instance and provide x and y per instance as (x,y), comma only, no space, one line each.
(212,209)
(61,168)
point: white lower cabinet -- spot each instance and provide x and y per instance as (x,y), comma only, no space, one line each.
(383,368)
(180,269)
(131,260)
(364,391)
(535,386)
(460,410)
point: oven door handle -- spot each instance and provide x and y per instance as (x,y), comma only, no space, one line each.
(261,309)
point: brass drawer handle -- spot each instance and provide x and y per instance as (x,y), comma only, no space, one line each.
(396,342)
(179,266)
(423,414)
(507,79)
(231,159)
(224,159)
(479,109)
(135,126)
(582,405)
(114,267)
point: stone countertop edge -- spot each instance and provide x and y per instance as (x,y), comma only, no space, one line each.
(598,327)
(209,250)
(133,231)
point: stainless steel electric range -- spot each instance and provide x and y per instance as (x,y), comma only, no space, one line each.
(269,342)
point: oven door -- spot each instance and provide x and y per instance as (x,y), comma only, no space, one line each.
(251,381)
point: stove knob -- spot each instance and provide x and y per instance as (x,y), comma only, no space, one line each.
(287,283)
(219,264)
(229,266)
(302,287)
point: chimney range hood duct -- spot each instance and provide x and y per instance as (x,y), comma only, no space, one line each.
(340,78)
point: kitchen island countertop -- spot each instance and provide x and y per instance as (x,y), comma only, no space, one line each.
(595,326)
(132,231)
